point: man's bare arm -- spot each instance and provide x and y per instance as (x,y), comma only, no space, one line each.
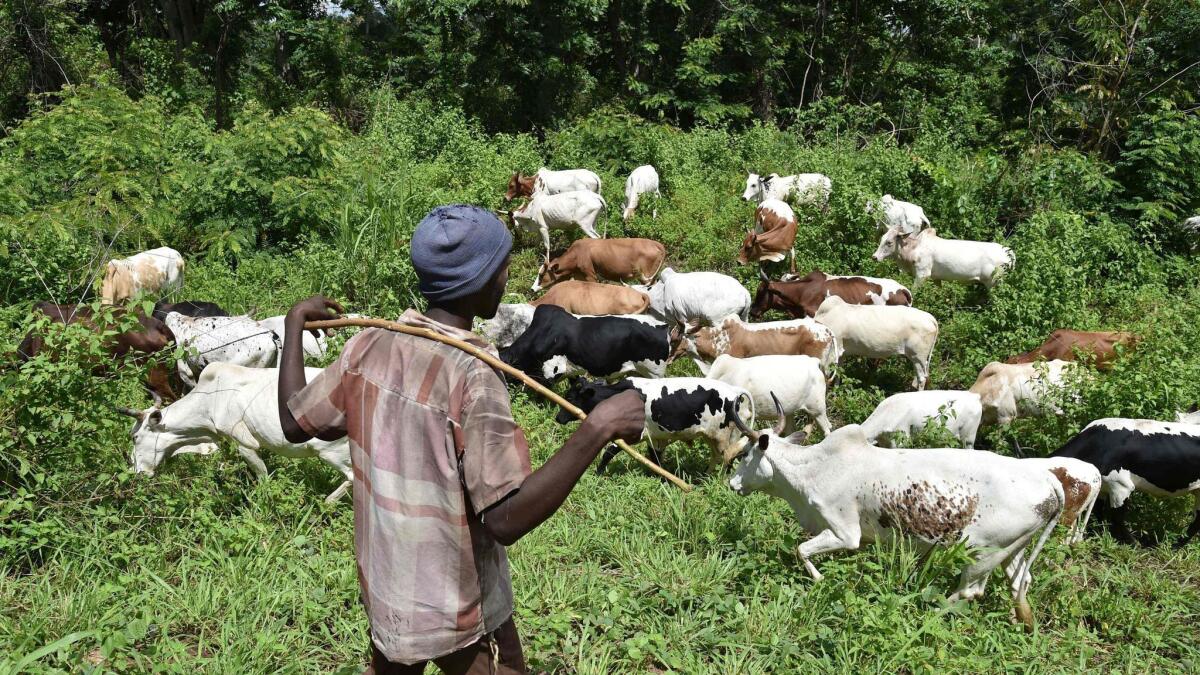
(291,362)
(544,490)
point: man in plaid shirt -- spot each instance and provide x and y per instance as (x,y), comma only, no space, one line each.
(442,481)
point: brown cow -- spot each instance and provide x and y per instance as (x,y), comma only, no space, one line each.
(520,186)
(586,297)
(1065,343)
(774,235)
(740,339)
(801,297)
(612,259)
(152,337)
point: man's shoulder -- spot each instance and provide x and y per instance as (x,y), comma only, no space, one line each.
(380,343)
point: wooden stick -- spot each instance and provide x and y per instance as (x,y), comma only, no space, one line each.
(495,363)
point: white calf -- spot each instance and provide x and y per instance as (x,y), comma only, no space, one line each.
(229,339)
(1012,390)
(798,382)
(157,271)
(880,331)
(927,256)
(846,491)
(566,180)
(561,211)
(910,412)
(642,180)
(893,214)
(229,402)
(693,299)
(314,345)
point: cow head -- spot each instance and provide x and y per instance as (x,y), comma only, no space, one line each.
(889,244)
(519,186)
(749,249)
(763,300)
(756,472)
(155,443)
(755,187)
(549,274)
(677,342)
(587,395)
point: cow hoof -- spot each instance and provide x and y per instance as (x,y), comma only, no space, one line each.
(1025,615)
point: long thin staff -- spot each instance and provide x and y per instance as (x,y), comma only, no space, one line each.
(495,363)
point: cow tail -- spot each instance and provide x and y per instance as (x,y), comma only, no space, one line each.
(1046,532)
(604,208)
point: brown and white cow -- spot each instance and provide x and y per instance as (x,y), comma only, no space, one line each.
(136,344)
(1064,344)
(774,235)
(801,297)
(613,259)
(586,297)
(741,340)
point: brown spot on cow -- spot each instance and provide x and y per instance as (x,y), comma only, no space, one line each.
(1048,507)
(1075,493)
(923,510)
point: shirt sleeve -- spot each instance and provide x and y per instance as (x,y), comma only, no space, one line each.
(495,459)
(320,407)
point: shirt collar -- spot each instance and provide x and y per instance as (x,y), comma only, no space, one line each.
(412,317)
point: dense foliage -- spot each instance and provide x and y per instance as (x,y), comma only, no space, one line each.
(289,148)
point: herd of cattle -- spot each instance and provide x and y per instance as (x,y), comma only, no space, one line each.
(613,316)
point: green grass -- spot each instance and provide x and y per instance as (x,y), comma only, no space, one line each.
(631,575)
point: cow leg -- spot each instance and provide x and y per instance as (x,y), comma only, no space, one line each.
(1194,527)
(338,493)
(545,232)
(827,541)
(255,462)
(792,264)
(922,374)
(609,452)
(822,420)
(1116,524)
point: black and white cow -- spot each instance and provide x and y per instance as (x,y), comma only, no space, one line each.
(677,408)
(558,343)
(1158,458)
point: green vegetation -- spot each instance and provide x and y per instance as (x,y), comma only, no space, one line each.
(287,151)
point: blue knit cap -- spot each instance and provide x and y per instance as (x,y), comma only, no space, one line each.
(457,249)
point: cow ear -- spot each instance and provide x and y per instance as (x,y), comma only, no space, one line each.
(763,441)
(154,417)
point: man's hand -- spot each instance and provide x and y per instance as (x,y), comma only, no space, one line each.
(622,416)
(291,361)
(316,308)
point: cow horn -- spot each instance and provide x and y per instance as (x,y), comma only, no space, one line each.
(137,414)
(781,421)
(749,433)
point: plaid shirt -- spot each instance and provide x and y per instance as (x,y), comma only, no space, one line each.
(433,444)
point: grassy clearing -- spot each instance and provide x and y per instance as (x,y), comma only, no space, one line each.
(631,576)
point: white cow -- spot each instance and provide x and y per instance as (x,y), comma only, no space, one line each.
(694,299)
(846,491)
(561,211)
(1012,390)
(642,180)
(314,345)
(805,188)
(230,339)
(566,180)
(892,214)
(511,320)
(229,402)
(157,271)
(1188,417)
(798,381)
(1192,224)
(910,412)
(880,331)
(927,256)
